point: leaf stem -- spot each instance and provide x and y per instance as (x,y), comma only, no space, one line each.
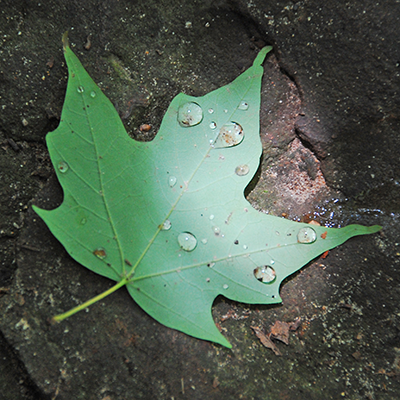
(61,317)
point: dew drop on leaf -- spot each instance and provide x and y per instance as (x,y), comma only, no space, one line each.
(93,94)
(213,125)
(166,225)
(190,114)
(242,170)
(80,89)
(187,241)
(100,253)
(83,221)
(225,286)
(243,105)
(216,230)
(306,235)
(204,241)
(211,110)
(63,167)
(265,274)
(172,181)
(229,135)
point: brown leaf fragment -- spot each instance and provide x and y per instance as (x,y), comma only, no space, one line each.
(293,326)
(265,340)
(280,331)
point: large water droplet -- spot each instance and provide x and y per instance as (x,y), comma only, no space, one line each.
(63,167)
(93,94)
(265,274)
(80,89)
(190,114)
(229,135)
(100,253)
(187,241)
(242,170)
(306,235)
(172,181)
(243,105)
(166,225)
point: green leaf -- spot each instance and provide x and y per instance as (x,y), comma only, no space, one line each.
(168,218)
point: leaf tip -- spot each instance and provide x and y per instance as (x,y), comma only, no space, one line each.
(65,40)
(261,55)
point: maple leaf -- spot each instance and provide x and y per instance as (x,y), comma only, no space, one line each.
(168,218)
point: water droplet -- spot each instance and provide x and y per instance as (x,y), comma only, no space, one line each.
(213,125)
(80,89)
(265,274)
(225,286)
(172,181)
(166,225)
(242,170)
(204,241)
(306,235)
(212,216)
(225,111)
(243,105)
(216,230)
(190,114)
(100,253)
(93,94)
(187,241)
(229,135)
(83,221)
(211,110)
(245,247)
(208,280)
(63,167)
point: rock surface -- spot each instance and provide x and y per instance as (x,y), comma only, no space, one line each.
(329,127)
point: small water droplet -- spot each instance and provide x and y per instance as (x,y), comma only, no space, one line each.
(187,241)
(242,170)
(93,94)
(83,221)
(213,125)
(225,286)
(166,225)
(225,111)
(208,280)
(216,230)
(80,89)
(272,262)
(243,105)
(211,264)
(229,135)
(63,167)
(212,216)
(204,241)
(190,114)
(306,235)
(100,253)
(265,274)
(211,110)
(245,247)
(171,181)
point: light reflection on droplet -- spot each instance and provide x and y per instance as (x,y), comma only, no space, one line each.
(187,241)
(190,114)
(306,235)
(63,167)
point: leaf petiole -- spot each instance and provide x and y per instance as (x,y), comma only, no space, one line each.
(61,317)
